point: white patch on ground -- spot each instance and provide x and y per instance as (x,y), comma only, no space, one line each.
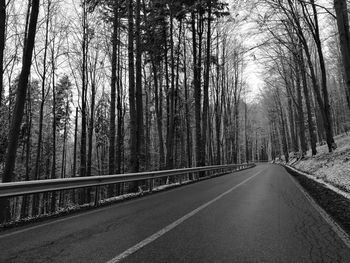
(332,168)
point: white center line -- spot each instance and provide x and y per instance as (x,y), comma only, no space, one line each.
(166,229)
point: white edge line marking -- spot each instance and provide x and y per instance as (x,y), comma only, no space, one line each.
(67,218)
(334,225)
(166,229)
(325,184)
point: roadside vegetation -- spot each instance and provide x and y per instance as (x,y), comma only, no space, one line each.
(333,168)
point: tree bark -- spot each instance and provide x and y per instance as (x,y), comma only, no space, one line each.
(112,128)
(282,127)
(25,199)
(197,90)
(75,151)
(8,175)
(41,113)
(341,11)
(132,107)
(63,162)
(139,108)
(157,98)
(294,141)
(83,100)
(187,111)
(206,88)
(171,99)
(53,169)
(327,108)
(314,28)
(75,144)
(120,117)
(303,145)
(2,44)
(90,134)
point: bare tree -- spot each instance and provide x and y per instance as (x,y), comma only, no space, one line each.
(2,44)
(341,10)
(19,106)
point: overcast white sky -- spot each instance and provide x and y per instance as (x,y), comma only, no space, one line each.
(239,9)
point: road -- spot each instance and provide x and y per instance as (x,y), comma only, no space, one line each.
(255,215)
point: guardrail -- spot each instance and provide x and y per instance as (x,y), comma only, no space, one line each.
(41,186)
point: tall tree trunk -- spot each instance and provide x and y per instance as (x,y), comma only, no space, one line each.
(83,100)
(246,132)
(112,128)
(41,112)
(132,107)
(303,145)
(223,100)
(341,11)
(2,44)
(138,90)
(53,169)
(218,105)
(171,120)
(170,104)
(172,97)
(206,88)
(187,111)
(294,142)
(327,108)
(120,141)
(282,128)
(91,133)
(157,98)
(236,99)
(148,125)
(64,150)
(63,162)
(284,136)
(323,103)
(8,175)
(25,199)
(197,90)
(236,132)
(74,171)
(75,143)
(218,111)
(177,112)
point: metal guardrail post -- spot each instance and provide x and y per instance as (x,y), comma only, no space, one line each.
(150,181)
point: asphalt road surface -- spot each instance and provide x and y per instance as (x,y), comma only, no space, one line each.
(256,215)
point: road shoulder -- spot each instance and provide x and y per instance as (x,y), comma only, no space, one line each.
(333,204)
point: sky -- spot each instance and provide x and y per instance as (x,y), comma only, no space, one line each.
(248,31)
(254,80)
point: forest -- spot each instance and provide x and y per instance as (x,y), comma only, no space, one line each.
(102,87)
